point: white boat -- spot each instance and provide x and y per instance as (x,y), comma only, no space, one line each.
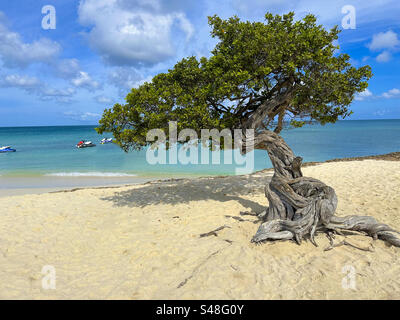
(7,149)
(106,140)
(85,144)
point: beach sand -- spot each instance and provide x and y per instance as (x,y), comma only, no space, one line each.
(142,241)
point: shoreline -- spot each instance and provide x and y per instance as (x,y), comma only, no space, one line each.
(37,185)
(391,156)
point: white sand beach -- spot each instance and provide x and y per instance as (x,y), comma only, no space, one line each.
(142,241)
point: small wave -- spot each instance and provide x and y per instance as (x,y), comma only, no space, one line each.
(90,174)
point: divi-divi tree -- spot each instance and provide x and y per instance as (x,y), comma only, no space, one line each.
(259,76)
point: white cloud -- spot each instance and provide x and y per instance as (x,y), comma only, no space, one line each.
(71,70)
(84,80)
(60,95)
(90,115)
(385,56)
(384,40)
(131,32)
(18,81)
(393,93)
(67,68)
(363,95)
(14,52)
(35,86)
(82,116)
(126,78)
(103,100)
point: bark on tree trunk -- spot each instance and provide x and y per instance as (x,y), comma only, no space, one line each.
(300,206)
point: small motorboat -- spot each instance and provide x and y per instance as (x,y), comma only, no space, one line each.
(85,144)
(6,149)
(106,140)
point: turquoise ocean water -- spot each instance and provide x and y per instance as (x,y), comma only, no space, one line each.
(51,151)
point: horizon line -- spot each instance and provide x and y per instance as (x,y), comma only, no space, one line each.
(90,125)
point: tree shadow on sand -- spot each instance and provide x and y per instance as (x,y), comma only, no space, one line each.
(177,191)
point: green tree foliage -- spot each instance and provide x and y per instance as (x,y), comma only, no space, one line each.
(257,76)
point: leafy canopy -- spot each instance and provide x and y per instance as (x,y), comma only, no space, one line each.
(257,76)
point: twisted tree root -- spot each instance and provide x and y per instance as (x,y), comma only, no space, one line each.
(315,212)
(300,206)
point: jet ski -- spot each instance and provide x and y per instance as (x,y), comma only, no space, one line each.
(6,149)
(85,144)
(106,140)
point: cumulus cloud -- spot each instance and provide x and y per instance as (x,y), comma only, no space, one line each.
(67,68)
(36,86)
(363,95)
(126,78)
(385,56)
(393,93)
(366,94)
(85,81)
(384,40)
(70,69)
(14,52)
(18,81)
(131,32)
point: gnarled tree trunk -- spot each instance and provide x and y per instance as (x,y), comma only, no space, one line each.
(300,206)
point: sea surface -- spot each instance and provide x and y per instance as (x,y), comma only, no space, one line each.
(51,152)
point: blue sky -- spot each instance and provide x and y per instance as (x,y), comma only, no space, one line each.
(102,48)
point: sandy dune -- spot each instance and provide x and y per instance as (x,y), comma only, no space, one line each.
(142,242)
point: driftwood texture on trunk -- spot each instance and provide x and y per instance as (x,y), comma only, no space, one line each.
(301,206)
